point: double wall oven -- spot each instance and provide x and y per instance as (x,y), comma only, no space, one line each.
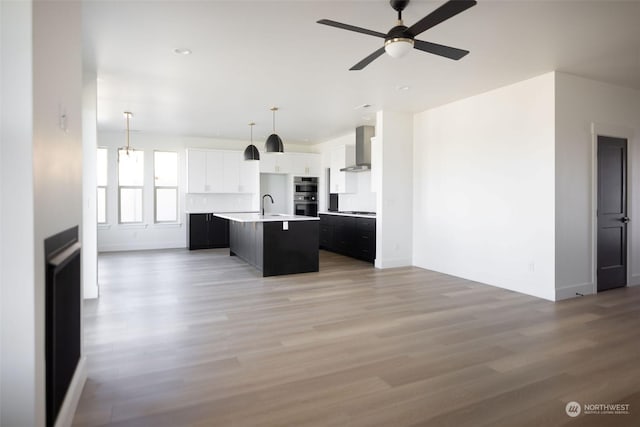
(305,196)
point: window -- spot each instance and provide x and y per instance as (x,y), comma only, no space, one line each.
(130,184)
(166,186)
(101,196)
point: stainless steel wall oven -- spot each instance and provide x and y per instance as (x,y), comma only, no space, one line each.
(305,196)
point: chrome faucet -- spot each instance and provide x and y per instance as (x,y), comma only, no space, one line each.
(269,196)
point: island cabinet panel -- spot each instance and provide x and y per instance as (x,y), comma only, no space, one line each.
(206,231)
(276,248)
(350,236)
(291,250)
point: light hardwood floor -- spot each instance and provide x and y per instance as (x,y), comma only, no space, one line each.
(197,338)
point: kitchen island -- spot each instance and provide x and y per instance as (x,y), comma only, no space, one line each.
(275,244)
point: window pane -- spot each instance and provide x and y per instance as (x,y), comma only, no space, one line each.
(102,205)
(130,168)
(166,204)
(130,205)
(166,168)
(101,167)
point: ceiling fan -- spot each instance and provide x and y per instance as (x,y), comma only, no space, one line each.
(400,39)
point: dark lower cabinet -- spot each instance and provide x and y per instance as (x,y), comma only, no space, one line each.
(206,231)
(348,235)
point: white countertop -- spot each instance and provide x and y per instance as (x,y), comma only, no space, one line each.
(348,214)
(208,211)
(256,217)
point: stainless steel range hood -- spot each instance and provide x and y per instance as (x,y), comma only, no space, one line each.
(363,149)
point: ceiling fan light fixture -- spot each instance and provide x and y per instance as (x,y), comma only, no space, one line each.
(398,46)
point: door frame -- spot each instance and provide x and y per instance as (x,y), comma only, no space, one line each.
(600,129)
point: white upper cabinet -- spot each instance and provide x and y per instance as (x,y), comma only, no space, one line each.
(196,171)
(305,164)
(211,171)
(231,168)
(249,176)
(275,163)
(214,173)
(342,182)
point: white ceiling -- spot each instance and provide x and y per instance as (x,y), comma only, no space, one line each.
(251,55)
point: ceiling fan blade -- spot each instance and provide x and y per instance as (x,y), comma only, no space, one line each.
(444,12)
(438,49)
(351,28)
(369,59)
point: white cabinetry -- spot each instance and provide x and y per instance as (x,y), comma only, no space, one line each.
(275,163)
(249,177)
(211,171)
(342,182)
(305,164)
(197,171)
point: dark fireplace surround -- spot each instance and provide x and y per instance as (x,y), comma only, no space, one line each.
(62,317)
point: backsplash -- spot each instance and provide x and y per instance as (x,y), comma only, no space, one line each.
(363,200)
(195,203)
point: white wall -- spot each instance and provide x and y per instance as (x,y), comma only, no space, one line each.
(581,105)
(18,379)
(89,182)
(278,185)
(115,237)
(394,203)
(41,186)
(484,188)
(57,151)
(362,199)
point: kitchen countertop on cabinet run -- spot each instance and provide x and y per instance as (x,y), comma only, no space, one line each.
(209,211)
(359,215)
(256,217)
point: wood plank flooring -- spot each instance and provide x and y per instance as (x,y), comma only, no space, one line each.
(198,338)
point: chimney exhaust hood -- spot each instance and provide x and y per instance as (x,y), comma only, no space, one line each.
(363,150)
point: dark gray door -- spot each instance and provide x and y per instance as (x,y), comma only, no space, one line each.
(612,213)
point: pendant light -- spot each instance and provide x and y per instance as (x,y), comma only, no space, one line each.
(251,152)
(127,149)
(274,143)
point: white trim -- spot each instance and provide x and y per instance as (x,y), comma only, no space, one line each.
(575,291)
(132,225)
(393,262)
(71,399)
(167,225)
(118,247)
(601,129)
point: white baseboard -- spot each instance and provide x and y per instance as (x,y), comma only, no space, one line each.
(393,262)
(634,280)
(118,247)
(70,403)
(90,292)
(574,291)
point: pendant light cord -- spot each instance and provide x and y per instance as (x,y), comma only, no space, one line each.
(274,109)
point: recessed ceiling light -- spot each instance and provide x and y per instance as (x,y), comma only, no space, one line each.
(403,87)
(182,51)
(357,107)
